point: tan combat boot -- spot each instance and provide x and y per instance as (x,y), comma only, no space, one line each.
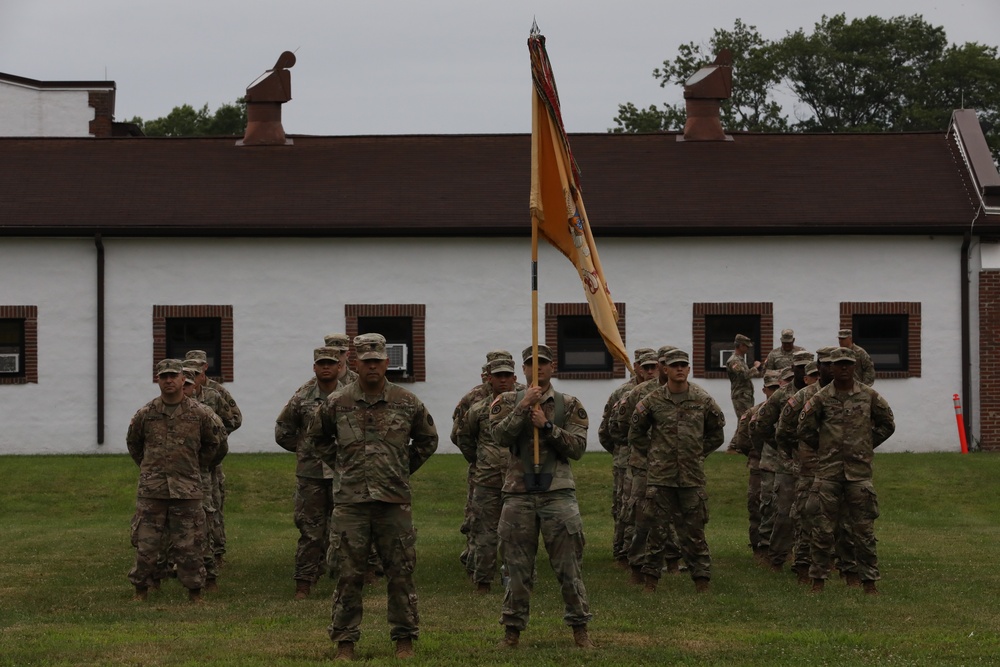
(141,594)
(701,584)
(649,584)
(852,579)
(869,587)
(482,589)
(211,586)
(803,577)
(302,589)
(636,576)
(511,638)
(581,637)
(817,586)
(673,566)
(404,648)
(194,596)
(345,651)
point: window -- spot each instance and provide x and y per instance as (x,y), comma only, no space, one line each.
(889,332)
(580,351)
(178,329)
(18,344)
(403,326)
(714,328)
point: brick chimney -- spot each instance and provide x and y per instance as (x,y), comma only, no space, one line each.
(703,95)
(264,99)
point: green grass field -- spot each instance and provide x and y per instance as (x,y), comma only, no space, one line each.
(64,598)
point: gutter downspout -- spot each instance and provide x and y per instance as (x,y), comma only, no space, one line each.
(100,338)
(966,336)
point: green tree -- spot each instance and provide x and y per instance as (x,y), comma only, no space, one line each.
(184,121)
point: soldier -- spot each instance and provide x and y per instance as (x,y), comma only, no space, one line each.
(864,368)
(844,422)
(781,357)
(218,476)
(313,478)
(172,439)
(741,388)
(341,343)
(476,443)
(373,434)
(684,425)
(541,497)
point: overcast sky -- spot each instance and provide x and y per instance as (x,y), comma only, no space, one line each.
(406,67)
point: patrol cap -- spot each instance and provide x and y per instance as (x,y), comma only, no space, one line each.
(501,365)
(370,346)
(823,354)
(787,373)
(498,354)
(787,335)
(743,340)
(842,355)
(844,333)
(337,340)
(812,368)
(648,358)
(802,358)
(675,356)
(190,374)
(543,353)
(200,355)
(662,352)
(639,351)
(196,367)
(772,378)
(169,366)
(327,352)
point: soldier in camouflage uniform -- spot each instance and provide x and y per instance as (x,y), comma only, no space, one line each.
(781,357)
(682,425)
(341,343)
(313,478)
(843,423)
(476,443)
(541,497)
(644,369)
(373,434)
(768,464)
(741,388)
(172,439)
(864,367)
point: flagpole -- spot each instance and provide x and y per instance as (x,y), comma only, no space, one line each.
(534,330)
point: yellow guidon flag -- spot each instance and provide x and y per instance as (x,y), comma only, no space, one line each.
(557,211)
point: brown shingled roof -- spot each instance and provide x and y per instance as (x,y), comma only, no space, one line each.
(648,185)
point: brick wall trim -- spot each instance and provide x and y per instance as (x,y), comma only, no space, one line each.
(30,316)
(416,311)
(848,309)
(989,360)
(552,313)
(225,313)
(764,309)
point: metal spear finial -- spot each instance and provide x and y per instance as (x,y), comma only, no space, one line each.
(535,32)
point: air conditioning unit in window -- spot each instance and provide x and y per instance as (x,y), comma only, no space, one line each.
(724,356)
(10,363)
(397,356)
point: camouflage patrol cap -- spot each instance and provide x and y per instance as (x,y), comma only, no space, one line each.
(498,354)
(842,355)
(743,340)
(640,351)
(787,373)
(802,358)
(823,354)
(675,356)
(812,368)
(337,340)
(327,352)
(787,335)
(648,358)
(844,333)
(190,374)
(169,366)
(662,352)
(193,365)
(501,365)
(370,346)
(772,378)
(200,355)
(543,353)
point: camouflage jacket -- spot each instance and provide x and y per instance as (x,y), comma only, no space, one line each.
(778,358)
(214,399)
(476,442)
(741,388)
(683,429)
(621,420)
(741,439)
(171,450)
(785,436)
(349,377)
(512,428)
(762,428)
(864,368)
(470,398)
(290,431)
(609,443)
(373,444)
(845,428)
(228,398)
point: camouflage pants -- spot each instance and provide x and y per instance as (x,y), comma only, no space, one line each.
(782,526)
(654,539)
(831,501)
(753,507)
(467,518)
(741,404)
(766,508)
(218,525)
(803,521)
(354,529)
(488,503)
(313,505)
(183,521)
(556,516)
(625,525)
(207,504)
(618,501)
(687,509)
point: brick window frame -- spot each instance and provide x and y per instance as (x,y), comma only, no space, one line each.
(763,309)
(416,311)
(30,316)
(848,309)
(552,313)
(225,313)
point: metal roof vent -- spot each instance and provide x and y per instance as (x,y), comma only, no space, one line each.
(703,95)
(264,99)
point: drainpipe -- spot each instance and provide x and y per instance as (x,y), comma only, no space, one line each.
(100,338)
(966,336)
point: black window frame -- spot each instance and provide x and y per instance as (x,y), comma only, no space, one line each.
(397,329)
(864,326)
(18,341)
(720,334)
(177,346)
(593,343)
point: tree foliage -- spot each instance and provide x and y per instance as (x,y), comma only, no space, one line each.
(184,121)
(863,75)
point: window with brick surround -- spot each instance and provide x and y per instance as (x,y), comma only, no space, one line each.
(714,328)
(18,344)
(889,331)
(178,329)
(404,328)
(577,345)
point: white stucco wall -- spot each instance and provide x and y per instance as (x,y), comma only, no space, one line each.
(30,112)
(286,294)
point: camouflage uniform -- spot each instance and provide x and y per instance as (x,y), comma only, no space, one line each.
(778,358)
(844,428)
(172,445)
(458,415)
(741,388)
(373,445)
(741,443)
(553,512)
(681,430)
(787,440)
(619,451)
(864,368)
(219,477)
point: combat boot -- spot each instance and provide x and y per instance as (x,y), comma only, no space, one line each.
(701,584)
(581,637)
(511,637)
(141,594)
(194,596)
(482,589)
(852,579)
(817,586)
(404,648)
(637,577)
(649,584)
(622,564)
(345,651)
(803,573)
(777,567)
(673,566)
(302,589)
(869,587)
(211,586)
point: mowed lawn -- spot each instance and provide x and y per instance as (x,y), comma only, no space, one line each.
(64,598)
